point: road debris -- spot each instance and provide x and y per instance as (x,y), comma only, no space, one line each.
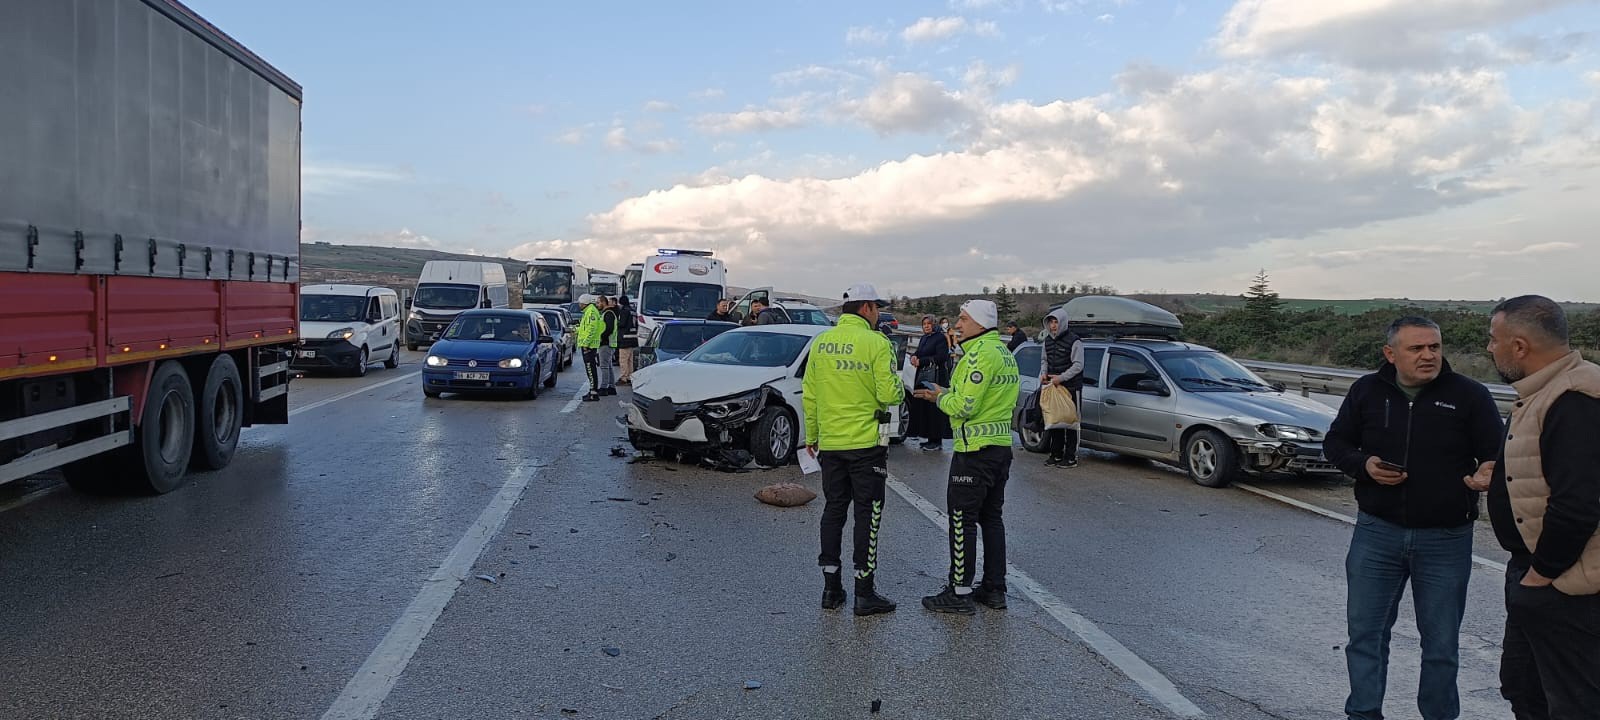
(786,495)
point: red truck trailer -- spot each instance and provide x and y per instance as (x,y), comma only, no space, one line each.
(149,242)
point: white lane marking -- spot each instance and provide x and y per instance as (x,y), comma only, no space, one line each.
(1135,668)
(30,497)
(577,398)
(1308,507)
(351,394)
(372,683)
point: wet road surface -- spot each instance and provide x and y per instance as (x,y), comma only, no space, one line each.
(313,578)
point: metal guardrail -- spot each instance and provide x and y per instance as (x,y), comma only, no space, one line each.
(1307,379)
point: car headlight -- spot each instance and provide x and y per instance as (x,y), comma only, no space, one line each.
(1286,432)
(511,363)
(732,407)
(342,334)
(436,361)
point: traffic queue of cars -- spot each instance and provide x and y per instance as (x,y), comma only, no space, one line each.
(716,389)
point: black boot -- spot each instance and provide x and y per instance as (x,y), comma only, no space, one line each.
(993,596)
(591,397)
(868,601)
(832,591)
(947,601)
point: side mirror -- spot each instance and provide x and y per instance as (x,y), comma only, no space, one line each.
(486,303)
(1151,385)
(547,339)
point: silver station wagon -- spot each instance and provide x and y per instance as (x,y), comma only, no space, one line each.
(1182,404)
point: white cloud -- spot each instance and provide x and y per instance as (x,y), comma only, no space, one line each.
(865,36)
(709,94)
(336,179)
(932,29)
(617,139)
(659,106)
(574,136)
(782,114)
(1107,18)
(1172,168)
(1368,33)
(908,102)
(814,74)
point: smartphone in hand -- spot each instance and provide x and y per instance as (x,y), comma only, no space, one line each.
(1391,467)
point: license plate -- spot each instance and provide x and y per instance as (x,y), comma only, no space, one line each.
(434,336)
(308,353)
(472,376)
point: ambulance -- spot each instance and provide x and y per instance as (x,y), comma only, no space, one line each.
(679,284)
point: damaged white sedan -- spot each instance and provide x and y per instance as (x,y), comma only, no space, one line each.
(734,399)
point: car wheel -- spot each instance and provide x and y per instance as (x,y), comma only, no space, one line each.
(1033,441)
(394,357)
(411,347)
(532,393)
(772,440)
(361,364)
(430,392)
(550,382)
(899,438)
(1210,458)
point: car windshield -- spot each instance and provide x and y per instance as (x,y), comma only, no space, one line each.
(498,328)
(1205,371)
(556,319)
(332,308)
(630,282)
(548,285)
(604,287)
(679,299)
(808,317)
(446,297)
(752,349)
(683,337)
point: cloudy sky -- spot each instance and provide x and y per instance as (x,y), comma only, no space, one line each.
(1394,148)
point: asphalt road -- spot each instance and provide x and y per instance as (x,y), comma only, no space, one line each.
(318,577)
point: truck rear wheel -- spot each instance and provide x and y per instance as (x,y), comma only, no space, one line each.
(164,440)
(219,416)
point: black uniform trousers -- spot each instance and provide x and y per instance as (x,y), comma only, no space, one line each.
(853,476)
(976,496)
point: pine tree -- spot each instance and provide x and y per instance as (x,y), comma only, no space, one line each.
(1005,302)
(1262,306)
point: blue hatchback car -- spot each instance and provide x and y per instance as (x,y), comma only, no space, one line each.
(492,351)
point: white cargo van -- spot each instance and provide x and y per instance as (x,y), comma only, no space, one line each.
(606,284)
(680,284)
(347,327)
(448,287)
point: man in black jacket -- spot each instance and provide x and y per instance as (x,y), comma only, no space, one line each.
(1409,434)
(1016,336)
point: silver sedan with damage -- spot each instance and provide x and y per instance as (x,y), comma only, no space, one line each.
(1189,406)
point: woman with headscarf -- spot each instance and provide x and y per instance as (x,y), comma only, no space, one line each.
(1063,365)
(932,360)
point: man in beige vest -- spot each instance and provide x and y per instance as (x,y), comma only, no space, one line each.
(1544,501)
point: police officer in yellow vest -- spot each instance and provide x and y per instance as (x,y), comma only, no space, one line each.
(979,402)
(588,335)
(849,386)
